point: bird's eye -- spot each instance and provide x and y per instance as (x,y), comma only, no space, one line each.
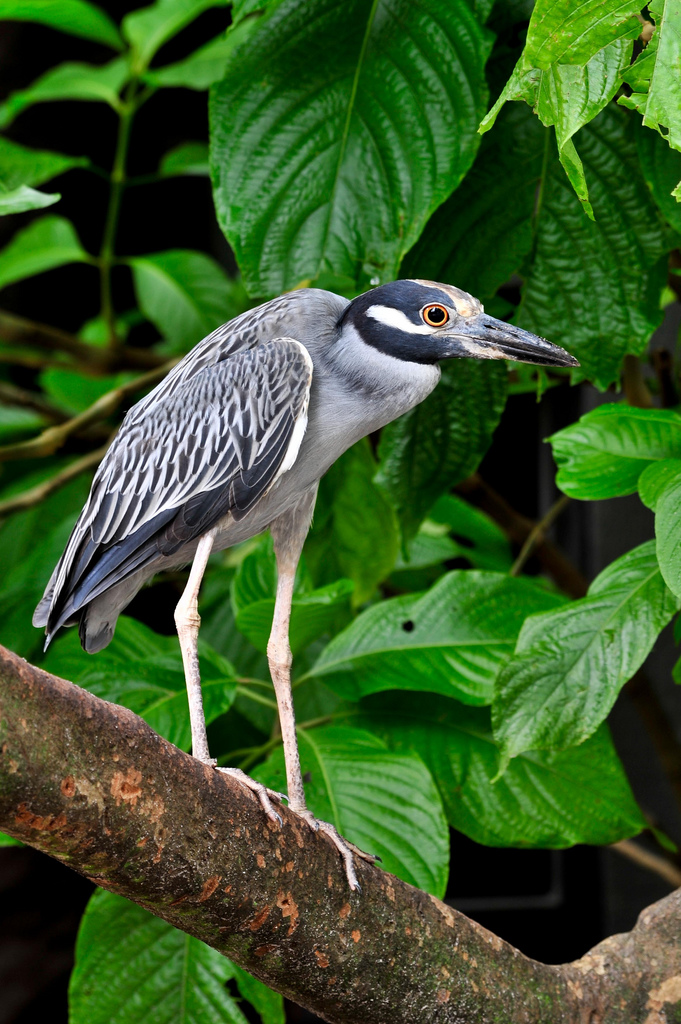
(435,316)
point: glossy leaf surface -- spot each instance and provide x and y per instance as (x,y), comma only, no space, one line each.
(544,799)
(451,640)
(605,452)
(23,198)
(148,28)
(22,166)
(45,244)
(332,162)
(73,81)
(661,168)
(384,802)
(143,671)
(134,968)
(433,447)
(661,491)
(616,259)
(77,17)
(185,294)
(570,664)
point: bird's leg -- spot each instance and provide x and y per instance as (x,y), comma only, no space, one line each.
(289,535)
(187,621)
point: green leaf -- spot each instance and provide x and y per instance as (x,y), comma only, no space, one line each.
(73,391)
(433,447)
(570,664)
(661,168)
(148,28)
(479,237)
(313,612)
(545,799)
(134,968)
(595,287)
(9,840)
(354,532)
(385,803)
(654,76)
(661,490)
(22,166)
(45,244)
(24,198)
(185,294)
(451,640)
(205,66)
(478,537)
(332,162)
(31,543)
(655,479)
(143,671)
(605,452)
(17,423)
(187,158)
(73,81)
(77,17)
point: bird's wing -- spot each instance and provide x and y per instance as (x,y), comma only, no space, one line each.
(214,445)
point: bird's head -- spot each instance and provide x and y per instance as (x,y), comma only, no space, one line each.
(424,322)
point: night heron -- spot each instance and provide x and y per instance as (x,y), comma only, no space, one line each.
(235,440)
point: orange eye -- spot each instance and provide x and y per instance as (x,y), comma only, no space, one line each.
(435,316)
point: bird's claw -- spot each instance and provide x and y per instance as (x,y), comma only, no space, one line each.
(344,847)
(264,795)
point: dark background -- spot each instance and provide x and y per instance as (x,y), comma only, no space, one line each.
(553,905)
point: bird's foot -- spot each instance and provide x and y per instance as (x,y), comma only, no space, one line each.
(264,795)
(344,847)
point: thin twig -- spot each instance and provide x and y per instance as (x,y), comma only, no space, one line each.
(10,394)
(651,861)
(52,439)
(538,532)
(27,499)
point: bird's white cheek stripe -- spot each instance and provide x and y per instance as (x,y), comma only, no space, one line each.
(481,351)
(396,318)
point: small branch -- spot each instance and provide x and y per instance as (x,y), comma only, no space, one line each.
(17,330)
(663,364)
(10,394)
(27,499)
(538,533)
(650,861)
(52,439)
(635,388)
(90,784)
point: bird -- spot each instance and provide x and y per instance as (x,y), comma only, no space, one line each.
(234,441)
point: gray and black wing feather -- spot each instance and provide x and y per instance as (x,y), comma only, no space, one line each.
(212,445)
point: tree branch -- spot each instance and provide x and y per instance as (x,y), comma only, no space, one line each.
(92,785)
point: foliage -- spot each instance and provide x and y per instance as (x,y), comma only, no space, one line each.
(343,154)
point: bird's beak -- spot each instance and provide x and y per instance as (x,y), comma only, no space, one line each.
(483,337)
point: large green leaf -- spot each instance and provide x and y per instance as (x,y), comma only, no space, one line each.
(354,532)
(595,287)
(661,168)
(364,123)
(655,80)
(570,664)
(660,488)
(22,166)
(185,294)
(149,28)
(143,671)
(439,443)
(568,76)
(386,803)
(547,799)
(478,537)
(45,244)
(77,17)
(73,81)
(23,198)
(480,236)
(451,640)
(605,452)
(134,968)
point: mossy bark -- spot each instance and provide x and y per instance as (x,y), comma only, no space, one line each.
(90,784)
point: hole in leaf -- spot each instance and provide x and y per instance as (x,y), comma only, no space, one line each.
(408,626)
